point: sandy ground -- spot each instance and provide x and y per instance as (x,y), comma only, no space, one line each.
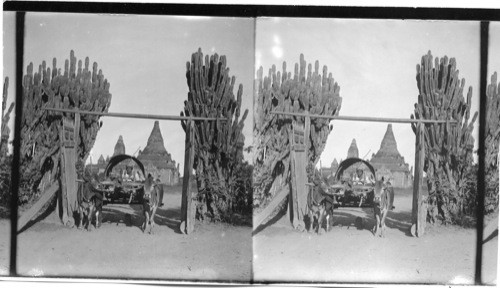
(348,254)
(223,252)
(119,249)
(4,246)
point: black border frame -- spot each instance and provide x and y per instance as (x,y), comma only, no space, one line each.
(253,11)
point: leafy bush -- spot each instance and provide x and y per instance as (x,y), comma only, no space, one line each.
(5,179)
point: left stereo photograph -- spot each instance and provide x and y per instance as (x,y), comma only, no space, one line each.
(135,145)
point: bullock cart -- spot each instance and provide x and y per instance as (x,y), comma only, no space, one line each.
(115,188)
(348,192)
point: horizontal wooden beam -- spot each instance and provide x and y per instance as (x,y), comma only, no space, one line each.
(366,119)
(136,116)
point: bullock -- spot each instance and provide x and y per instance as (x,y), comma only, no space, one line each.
(153,194)
(89,201)
(382,203)
(319,205)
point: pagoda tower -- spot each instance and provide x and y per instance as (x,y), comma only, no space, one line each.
(389,163)
(156,159)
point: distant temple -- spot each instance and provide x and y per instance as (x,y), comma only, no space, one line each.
(390,164)
(387,162)
(119,147)
(155,158)
(353,152)
(157,161)
(329,172)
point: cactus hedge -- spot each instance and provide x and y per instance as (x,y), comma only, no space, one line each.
(218,144)
(76,86)
(306,90)
(491,144)
(448,148)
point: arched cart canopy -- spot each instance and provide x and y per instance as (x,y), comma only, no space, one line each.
(348,163)
(115,160)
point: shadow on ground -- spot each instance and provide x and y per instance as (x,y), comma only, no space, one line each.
(271,222)
(346,216)
(132,216)
(170,218)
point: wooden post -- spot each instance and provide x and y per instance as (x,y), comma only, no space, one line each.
(188,210)
(418,213)
(77,133)
(68,171)
(299,190)
(292,200)
(63,198)
(303,188)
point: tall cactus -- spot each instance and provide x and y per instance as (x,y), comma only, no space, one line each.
(304,91)
(218,144)
(77,86)
(491,143)
(448,148)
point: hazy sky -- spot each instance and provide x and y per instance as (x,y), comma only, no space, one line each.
(144,59)
(374,62)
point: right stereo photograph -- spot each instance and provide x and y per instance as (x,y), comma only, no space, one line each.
(367,151)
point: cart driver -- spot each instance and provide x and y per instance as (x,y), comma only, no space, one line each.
(360,178)
(130,175)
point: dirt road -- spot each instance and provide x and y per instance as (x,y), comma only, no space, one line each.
(4,246)
(119,249)
(349,254)
(223,252)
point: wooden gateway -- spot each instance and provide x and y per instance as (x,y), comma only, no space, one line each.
(298,198)
(67,198)
(68,182)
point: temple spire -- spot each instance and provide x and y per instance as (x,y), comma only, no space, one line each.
(155,143)
(353,150)
(119,147)
(388,147)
